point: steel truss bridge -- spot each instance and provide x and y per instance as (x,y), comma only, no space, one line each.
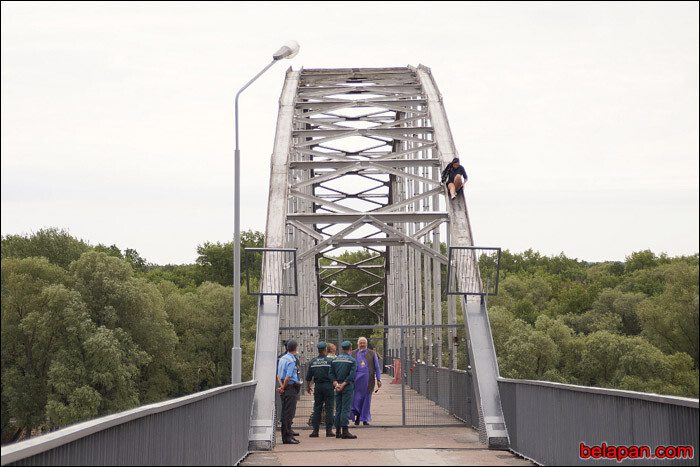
(356,163)
(356,166)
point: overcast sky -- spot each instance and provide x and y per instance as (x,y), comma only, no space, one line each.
(576,122)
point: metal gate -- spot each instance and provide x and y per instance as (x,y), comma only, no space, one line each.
(421,385)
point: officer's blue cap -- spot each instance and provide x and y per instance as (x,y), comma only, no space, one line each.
(321,345)
(346,345)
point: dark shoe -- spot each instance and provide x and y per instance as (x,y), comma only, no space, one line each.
(329,432)
(365,423)
(346,434)
(357,420)
(338,433)
(291,441)
(314,434)
(293,433)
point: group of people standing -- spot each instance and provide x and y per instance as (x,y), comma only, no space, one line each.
(344,382)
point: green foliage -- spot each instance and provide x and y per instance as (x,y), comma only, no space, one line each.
(575,298)
(640,260)
(670,319)
(601,356)
(216,259)
(646,281)
(185,277)
(530,262)
(58,246)
(109,251)
(622,304)
(216,262)
(116,299)
(525,295)
(80,343)
(592,321)
(524,352)
(95,369)
(137,262)
(631,325)
(27,342)
(88,331)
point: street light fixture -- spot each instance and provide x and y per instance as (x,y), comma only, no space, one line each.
(288,50)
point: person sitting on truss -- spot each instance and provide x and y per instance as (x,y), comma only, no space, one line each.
(454,177)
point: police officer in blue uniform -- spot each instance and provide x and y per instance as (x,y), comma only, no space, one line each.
(279,382)
(342,373)
(289,390)
(319,371)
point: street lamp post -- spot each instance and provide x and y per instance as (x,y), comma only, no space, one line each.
(288,50)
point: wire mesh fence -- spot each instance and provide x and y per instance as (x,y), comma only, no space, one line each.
(473,270)
(415,391)
(271,271)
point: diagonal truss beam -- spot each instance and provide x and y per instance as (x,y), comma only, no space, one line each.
(407,202)
(410,240)
(321,201)
(329,241)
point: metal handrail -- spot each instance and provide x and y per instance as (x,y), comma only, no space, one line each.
(47,442)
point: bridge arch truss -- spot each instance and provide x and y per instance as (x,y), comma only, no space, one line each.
(356,165)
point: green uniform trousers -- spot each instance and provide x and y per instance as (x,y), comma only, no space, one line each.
(343,405)
(323,394)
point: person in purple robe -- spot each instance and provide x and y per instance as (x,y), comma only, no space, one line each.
(367,372)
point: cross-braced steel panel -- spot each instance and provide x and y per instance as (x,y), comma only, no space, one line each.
(364,160)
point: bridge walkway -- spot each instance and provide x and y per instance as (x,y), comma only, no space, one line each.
(387,410)
(382,445)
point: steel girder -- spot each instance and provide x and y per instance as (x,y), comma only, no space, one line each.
(357,162)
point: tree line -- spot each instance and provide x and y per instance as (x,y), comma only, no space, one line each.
(92,330)
(629,325)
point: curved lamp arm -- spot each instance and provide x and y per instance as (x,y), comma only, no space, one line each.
(288,50)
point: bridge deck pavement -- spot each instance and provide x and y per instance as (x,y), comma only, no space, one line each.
(452,445)
(386,408)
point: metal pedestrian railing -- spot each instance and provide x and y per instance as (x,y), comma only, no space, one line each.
(450,389)
(547,422)
(205,428)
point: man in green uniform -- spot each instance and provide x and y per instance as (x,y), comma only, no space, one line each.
(319,371)
(343,368)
